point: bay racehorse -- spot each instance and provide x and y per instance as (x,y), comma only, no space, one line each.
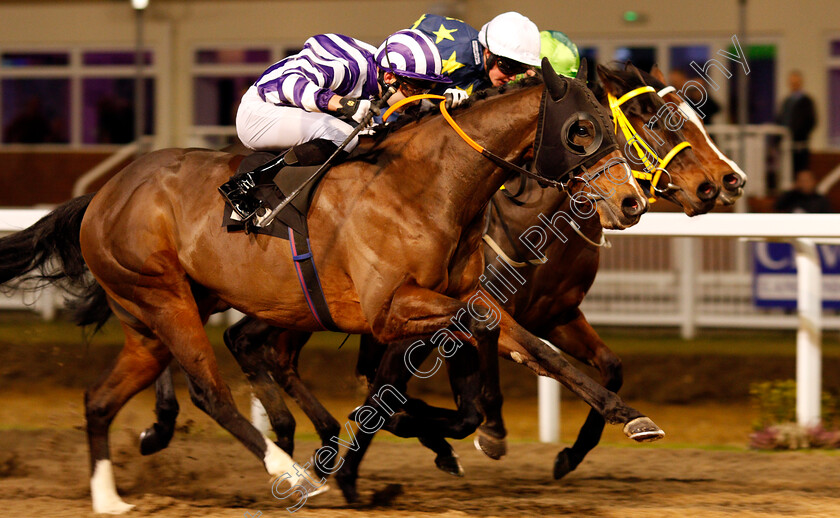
(725,171)
(151,239)
(552,293)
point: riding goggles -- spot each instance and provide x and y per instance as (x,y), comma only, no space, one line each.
(411,86)
(510,67)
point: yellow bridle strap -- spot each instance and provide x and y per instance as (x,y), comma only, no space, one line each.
(632,136)
(631,94)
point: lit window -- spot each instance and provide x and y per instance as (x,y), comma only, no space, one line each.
(35,111)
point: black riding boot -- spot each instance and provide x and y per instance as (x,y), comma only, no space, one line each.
(239,190)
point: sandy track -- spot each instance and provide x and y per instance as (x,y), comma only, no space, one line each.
(44,473)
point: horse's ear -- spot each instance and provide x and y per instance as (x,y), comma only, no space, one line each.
(656,72)
(630,67)
(583,70)
(612,82)
(556,87)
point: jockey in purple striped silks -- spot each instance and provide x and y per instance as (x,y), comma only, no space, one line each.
(312,100)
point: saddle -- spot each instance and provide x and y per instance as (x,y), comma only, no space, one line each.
(290,223)
(272,188)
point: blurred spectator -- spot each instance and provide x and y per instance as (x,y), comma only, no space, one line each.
(804,196)
(678,78)
(30,126)
(798,115)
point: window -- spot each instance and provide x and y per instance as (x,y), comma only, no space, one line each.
(591,55)
(761,84)
(108,113)
(220,78)
(40,88)
(35,111)
(642,57)
(834,93)
(682,56)
(35,102)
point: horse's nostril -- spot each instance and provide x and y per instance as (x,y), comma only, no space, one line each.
(733,181)
(707,191)
(631,207)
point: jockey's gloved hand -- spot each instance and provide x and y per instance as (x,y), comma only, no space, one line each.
(454,97)
(353,109)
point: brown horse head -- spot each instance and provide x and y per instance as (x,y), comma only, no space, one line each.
(588,144)
(684,180)
(725,172)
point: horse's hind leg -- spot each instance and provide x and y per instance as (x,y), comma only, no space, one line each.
(581,341)
(371,354)
(249,340)
(166,303)
(157,437)
(283,358)
(138,364)
(392,376)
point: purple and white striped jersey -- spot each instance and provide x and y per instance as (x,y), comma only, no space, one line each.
(328,64)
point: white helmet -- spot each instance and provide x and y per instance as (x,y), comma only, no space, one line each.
(513,36)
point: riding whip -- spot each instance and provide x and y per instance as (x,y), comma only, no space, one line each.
(264,222)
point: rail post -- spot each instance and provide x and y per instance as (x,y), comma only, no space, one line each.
(548,396)
(809,334)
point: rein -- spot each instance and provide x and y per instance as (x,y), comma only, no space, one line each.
(641,147)
(501,162)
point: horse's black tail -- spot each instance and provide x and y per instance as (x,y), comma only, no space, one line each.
(49,253)
(91,308)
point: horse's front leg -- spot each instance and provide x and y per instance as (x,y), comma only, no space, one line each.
(577,338)
(525,348)
(474,320)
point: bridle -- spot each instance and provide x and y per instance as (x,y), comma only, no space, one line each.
(562,184)
(653,171)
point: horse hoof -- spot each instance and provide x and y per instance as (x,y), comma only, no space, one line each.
(154,439)
(115,507)
(318,490)
(449,464)
(563,464)
(492,447)
(347,484)
(643,429)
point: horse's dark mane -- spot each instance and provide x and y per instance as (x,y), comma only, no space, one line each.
(617,68)
(414,115)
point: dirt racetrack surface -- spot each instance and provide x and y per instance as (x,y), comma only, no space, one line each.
(701,469)
(45,474)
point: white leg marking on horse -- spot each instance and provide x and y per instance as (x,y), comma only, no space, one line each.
(103,490)
(277,462)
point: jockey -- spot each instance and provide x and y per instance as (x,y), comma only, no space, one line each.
(314,99)
(561,52)
(506,46)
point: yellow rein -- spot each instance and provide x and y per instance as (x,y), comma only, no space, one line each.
(631,135)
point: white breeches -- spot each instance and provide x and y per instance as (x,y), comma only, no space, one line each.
(262,125)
